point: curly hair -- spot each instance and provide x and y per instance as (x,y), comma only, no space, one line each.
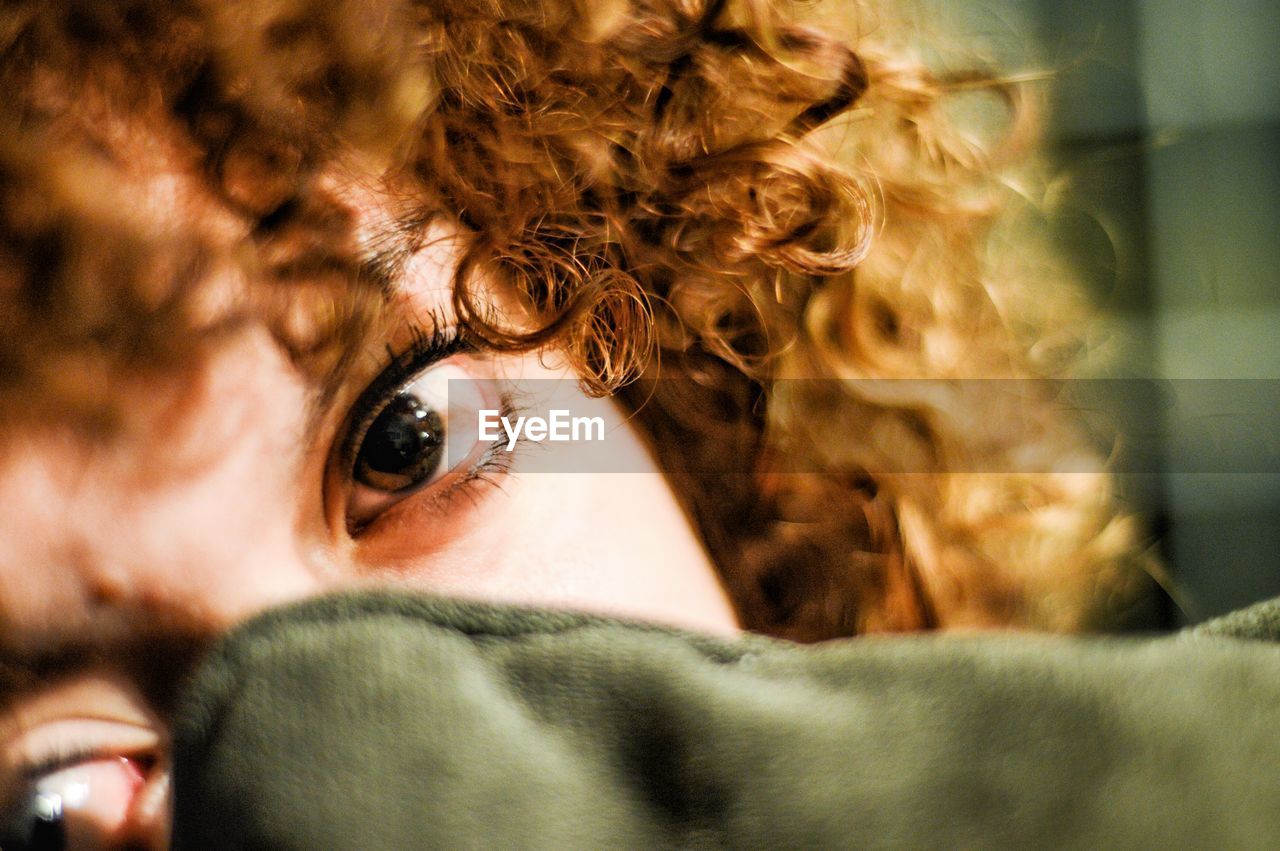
(777,204)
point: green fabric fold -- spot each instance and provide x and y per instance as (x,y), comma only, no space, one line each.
(390,720)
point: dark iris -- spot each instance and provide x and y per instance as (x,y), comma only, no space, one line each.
(403,446)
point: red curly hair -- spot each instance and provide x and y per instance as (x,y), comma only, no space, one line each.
(711,190)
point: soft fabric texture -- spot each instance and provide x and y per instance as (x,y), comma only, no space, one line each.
(389,721)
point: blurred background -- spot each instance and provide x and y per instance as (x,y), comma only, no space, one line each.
(1166,134)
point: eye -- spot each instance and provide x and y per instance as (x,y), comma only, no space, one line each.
(422,431)
(83,765)
(86,804)
(404,446)
(419,432)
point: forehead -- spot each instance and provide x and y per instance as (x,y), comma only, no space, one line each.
(146,210)
(127,322)
(126,262)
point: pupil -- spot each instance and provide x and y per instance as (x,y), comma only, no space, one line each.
(404,442)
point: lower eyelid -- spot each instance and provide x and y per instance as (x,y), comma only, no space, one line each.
(493,459)
(409,531)
(365,505)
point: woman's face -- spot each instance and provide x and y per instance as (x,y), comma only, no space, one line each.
(251,488)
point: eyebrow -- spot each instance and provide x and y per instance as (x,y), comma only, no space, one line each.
(383,265)
(383,258)
(388,250)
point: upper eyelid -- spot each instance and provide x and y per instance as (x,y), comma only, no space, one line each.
(426,350)
(63,756)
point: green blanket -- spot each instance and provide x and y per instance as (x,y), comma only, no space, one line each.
(389,721)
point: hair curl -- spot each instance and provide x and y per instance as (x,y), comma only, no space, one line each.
(709,190)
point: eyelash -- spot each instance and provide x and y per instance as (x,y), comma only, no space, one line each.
(426,349)
(487,469)
(62,755)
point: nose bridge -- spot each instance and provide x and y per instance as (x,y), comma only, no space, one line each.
(210,575)
(140,590)
(220,540)
(196,555)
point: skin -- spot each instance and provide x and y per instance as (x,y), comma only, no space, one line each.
(120,562)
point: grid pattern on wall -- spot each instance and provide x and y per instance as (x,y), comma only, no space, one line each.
(1166,125)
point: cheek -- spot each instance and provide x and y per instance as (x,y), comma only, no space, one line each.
(532,543)
(610,544)
(617,544)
